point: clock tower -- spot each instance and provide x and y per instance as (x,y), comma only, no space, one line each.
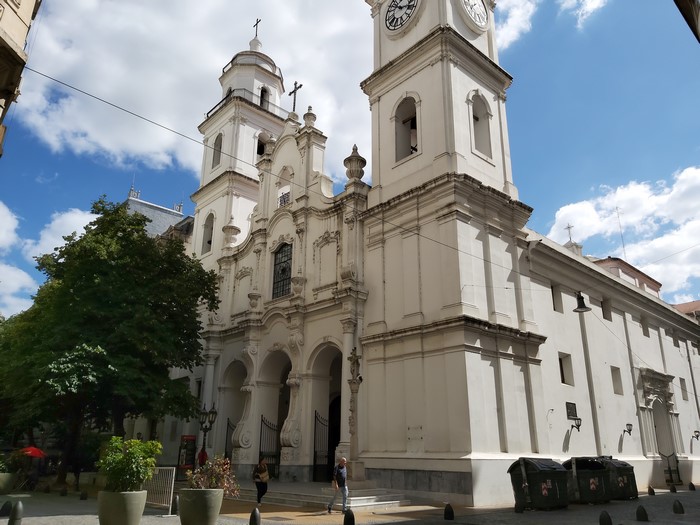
(437,96)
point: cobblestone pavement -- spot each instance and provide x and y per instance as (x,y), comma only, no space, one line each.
(52,509)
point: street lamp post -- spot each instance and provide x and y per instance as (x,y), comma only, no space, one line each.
(206,421)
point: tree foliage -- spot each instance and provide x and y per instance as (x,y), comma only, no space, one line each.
(118,311)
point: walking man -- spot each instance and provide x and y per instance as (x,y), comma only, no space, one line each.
(340,478)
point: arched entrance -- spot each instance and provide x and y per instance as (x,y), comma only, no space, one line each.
(274,404)
(327,369)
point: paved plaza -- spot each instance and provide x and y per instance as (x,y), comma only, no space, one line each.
(53,509)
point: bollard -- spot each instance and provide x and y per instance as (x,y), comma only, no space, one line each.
(673,489)
(83,495)
(16,514)
(349,518)
(642,514)
(64,491)
(651,492)
(605,519)
(175,509)
(678,507)
(5,509)
(254,517)
(449,512)
(691,486)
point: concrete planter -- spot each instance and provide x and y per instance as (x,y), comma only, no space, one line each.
(120,508)
(7,481)
(200,506)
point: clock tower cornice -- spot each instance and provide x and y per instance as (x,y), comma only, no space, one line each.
(443,43)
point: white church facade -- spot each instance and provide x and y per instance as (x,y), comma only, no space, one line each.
(414,323)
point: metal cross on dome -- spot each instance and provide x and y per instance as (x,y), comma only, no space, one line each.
(255,25)
(293,93)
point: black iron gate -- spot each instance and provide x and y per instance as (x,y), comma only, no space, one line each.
(323,464)
(230,429)
(270,446)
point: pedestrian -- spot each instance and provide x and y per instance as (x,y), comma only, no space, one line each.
(340,478)
(261,476)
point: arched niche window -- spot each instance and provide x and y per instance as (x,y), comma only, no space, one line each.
(481,125)
(208,234)
(282,271)
(263,138)
(216,159)
(406,122)
(264,98)
(284,188)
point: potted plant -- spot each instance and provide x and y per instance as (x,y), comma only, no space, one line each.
(200,504)
(125,465)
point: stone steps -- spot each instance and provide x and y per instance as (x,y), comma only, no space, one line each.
(362,498)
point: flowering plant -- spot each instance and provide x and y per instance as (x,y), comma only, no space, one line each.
(215,474)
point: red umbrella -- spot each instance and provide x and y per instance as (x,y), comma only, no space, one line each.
(33,452)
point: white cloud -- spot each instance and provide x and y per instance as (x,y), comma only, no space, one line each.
(660,225)
(167,69)
(582,9)
(15,288)
(51,236)
(517,20)
(8,228)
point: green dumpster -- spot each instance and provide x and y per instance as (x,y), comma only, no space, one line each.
(539,483)
(621,480)
(587,480)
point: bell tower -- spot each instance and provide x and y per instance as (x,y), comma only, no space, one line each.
(437,96)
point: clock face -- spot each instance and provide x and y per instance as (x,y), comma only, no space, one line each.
(398,13)
(477,12)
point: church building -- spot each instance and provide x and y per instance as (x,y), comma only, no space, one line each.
(413,323)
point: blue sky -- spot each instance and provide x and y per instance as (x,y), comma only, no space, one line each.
(603,116)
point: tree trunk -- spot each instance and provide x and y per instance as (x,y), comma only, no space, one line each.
(70,448)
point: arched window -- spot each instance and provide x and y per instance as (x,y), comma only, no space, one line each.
(216,160)
(264,98)
(481,126)
(406,124)
(208,234)
(282,272)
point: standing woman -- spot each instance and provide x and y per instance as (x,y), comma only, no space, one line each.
(261,476)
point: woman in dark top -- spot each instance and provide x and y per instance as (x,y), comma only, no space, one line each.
(261,476)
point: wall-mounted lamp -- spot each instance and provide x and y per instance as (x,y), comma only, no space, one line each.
(577,424)
(581,304)
(696,435)
(628,429)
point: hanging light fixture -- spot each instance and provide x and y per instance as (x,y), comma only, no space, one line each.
(577,424)
(628,429)
(581,304)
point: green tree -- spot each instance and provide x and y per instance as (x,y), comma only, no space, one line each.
(118,311)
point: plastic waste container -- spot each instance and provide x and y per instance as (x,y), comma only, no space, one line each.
(621,480)
(587,480)
(539,483)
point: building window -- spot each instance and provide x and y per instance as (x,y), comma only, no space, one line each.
(616,380)
(208,234)
(645,326)
(406,128)
(216,160)
(282,271)
(566,370)
(684,389)
(284,199)
(481,126)
(606,306)
(264,98)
